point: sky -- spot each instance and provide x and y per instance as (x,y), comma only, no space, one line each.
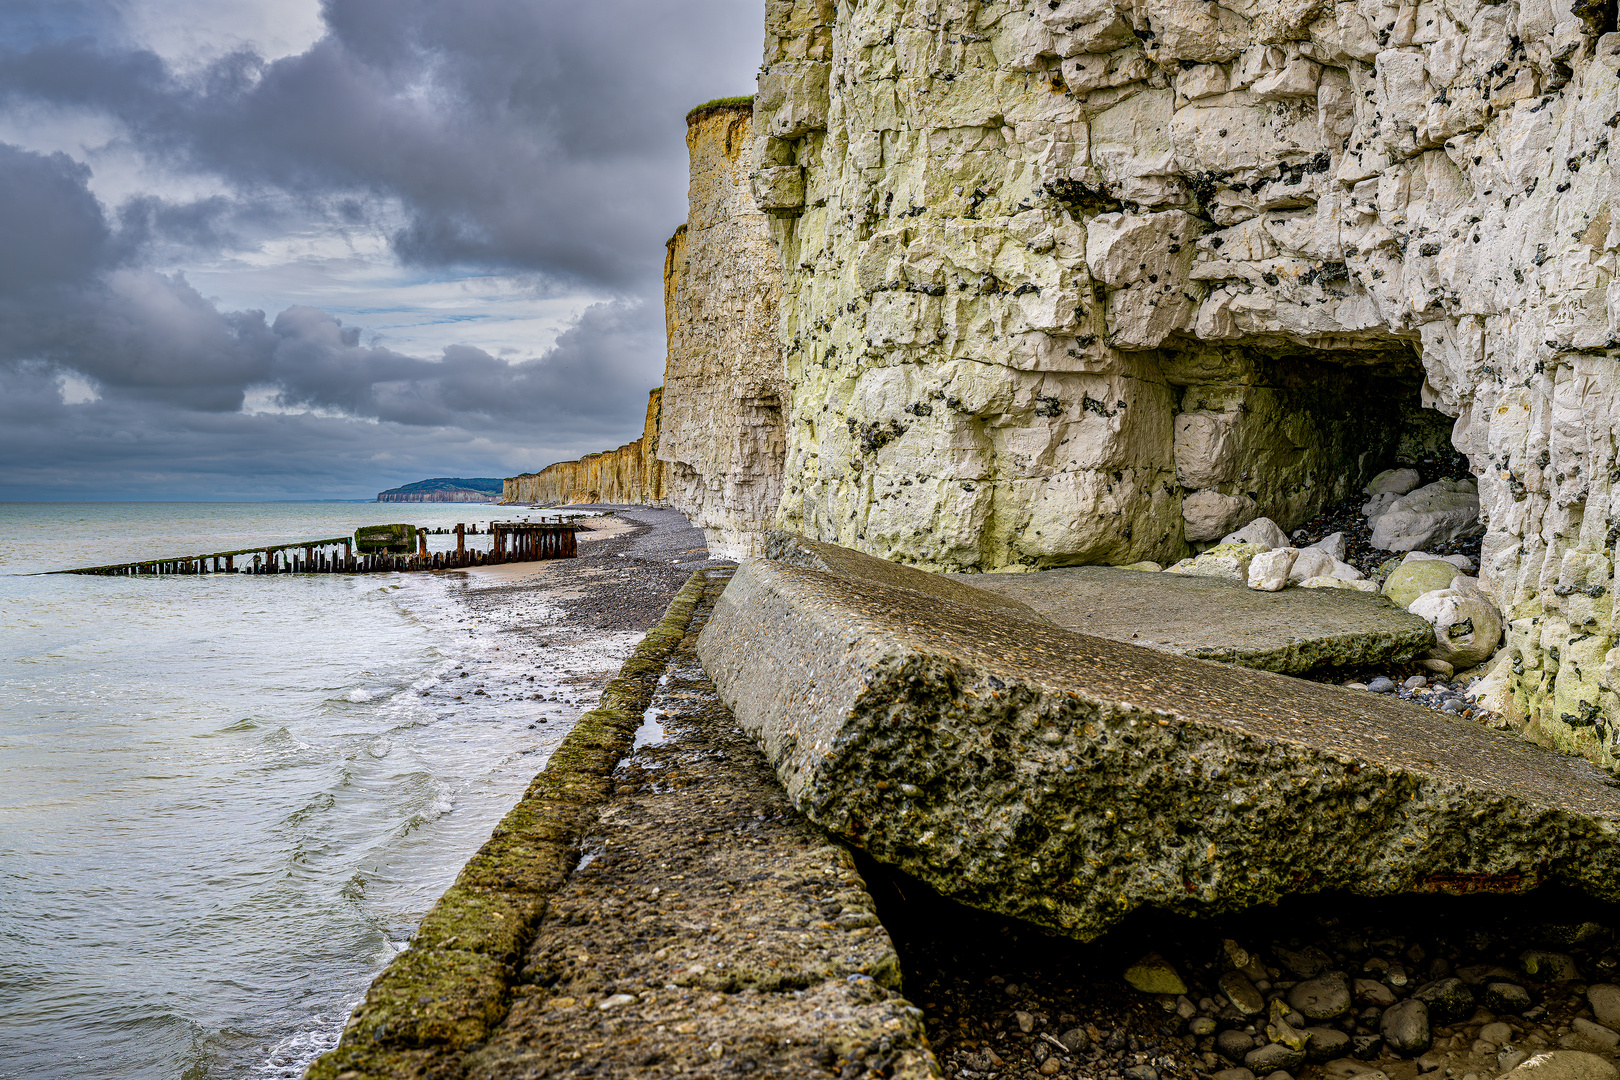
(281,249)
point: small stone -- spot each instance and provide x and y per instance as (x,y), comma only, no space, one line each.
(1439,667)
(1605,1001)
(1233,1044)
(1498,1033)
(1185,1008)
(1236,955)
(1200,1026)
(1414,682)
(1333,545)
(1242,993)
(1141,1072)
(1323,997)
(1365,1047)
(1026,1022)
(1075,1040)
(1050,1067)
(1261,531)
(1372,992)
(1563,1065)
(1267,1059)
(1307,963)
(1326,1044)
(1381,685)
(1597,1034)
(1153,974)
(1449,1000)
(1506,997)
(1268,571)
(615,1001)
(1405,1027)
(1547,966)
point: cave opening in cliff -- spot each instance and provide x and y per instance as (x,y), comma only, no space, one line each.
(1291,434)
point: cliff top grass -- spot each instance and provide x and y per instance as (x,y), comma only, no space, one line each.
(696,115)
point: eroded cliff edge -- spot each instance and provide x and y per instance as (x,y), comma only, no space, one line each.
(724,390)
(1067,282)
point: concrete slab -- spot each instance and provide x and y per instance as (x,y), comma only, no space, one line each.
(1293,631)
(795,550)
(1068,779)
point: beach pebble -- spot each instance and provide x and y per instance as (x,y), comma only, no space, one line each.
(1449,1000)
(1381,685)
(1153,974)
(1506,997)
(1605,1001)
(1597,1034)
(1233,1044)
(1264,1060)
(1323,997)
(1405,1027)
(1546,966)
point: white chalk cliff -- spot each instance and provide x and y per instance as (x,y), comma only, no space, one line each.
(1083,280)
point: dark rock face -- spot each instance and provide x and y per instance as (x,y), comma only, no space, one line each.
(1067,779)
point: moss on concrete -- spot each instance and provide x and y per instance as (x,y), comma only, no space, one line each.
(445,992)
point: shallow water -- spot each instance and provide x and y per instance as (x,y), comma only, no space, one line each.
(228,800)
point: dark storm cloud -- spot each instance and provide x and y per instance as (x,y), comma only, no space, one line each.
(545,136)
(72,305)
(516,137)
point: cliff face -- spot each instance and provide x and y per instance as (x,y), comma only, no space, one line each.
(630,474)
(1069,281)
(723,437)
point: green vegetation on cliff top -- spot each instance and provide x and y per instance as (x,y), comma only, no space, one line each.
(707,107)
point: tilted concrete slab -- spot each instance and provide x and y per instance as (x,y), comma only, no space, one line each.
(845,562)
(1292,631)
(1068,779)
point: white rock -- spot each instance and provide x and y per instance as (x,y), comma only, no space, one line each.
(1393,482)
(1374,507)
(1268,571)
(1345,572)
(1333,545)
(1229,561)
(1461,562)
(1261,531)
(1437,513)
(1209,514)
(1467,626)
(1310,563)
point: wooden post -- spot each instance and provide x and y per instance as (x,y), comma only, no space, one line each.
(461,543)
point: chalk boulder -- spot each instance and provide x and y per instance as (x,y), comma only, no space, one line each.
(1467,626)
(1443,511)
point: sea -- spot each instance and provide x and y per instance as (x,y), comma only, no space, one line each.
(226,801)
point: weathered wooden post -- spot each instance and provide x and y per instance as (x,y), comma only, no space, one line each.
(461,544)
(421,544)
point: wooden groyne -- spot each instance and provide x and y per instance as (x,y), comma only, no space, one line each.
(511,541)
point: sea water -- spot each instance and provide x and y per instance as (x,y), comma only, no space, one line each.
(226,801)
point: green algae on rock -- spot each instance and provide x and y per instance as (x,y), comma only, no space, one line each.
(1067,779)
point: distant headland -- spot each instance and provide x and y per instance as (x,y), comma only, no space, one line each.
(445,489)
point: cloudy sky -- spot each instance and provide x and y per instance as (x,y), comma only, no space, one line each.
(270,249)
